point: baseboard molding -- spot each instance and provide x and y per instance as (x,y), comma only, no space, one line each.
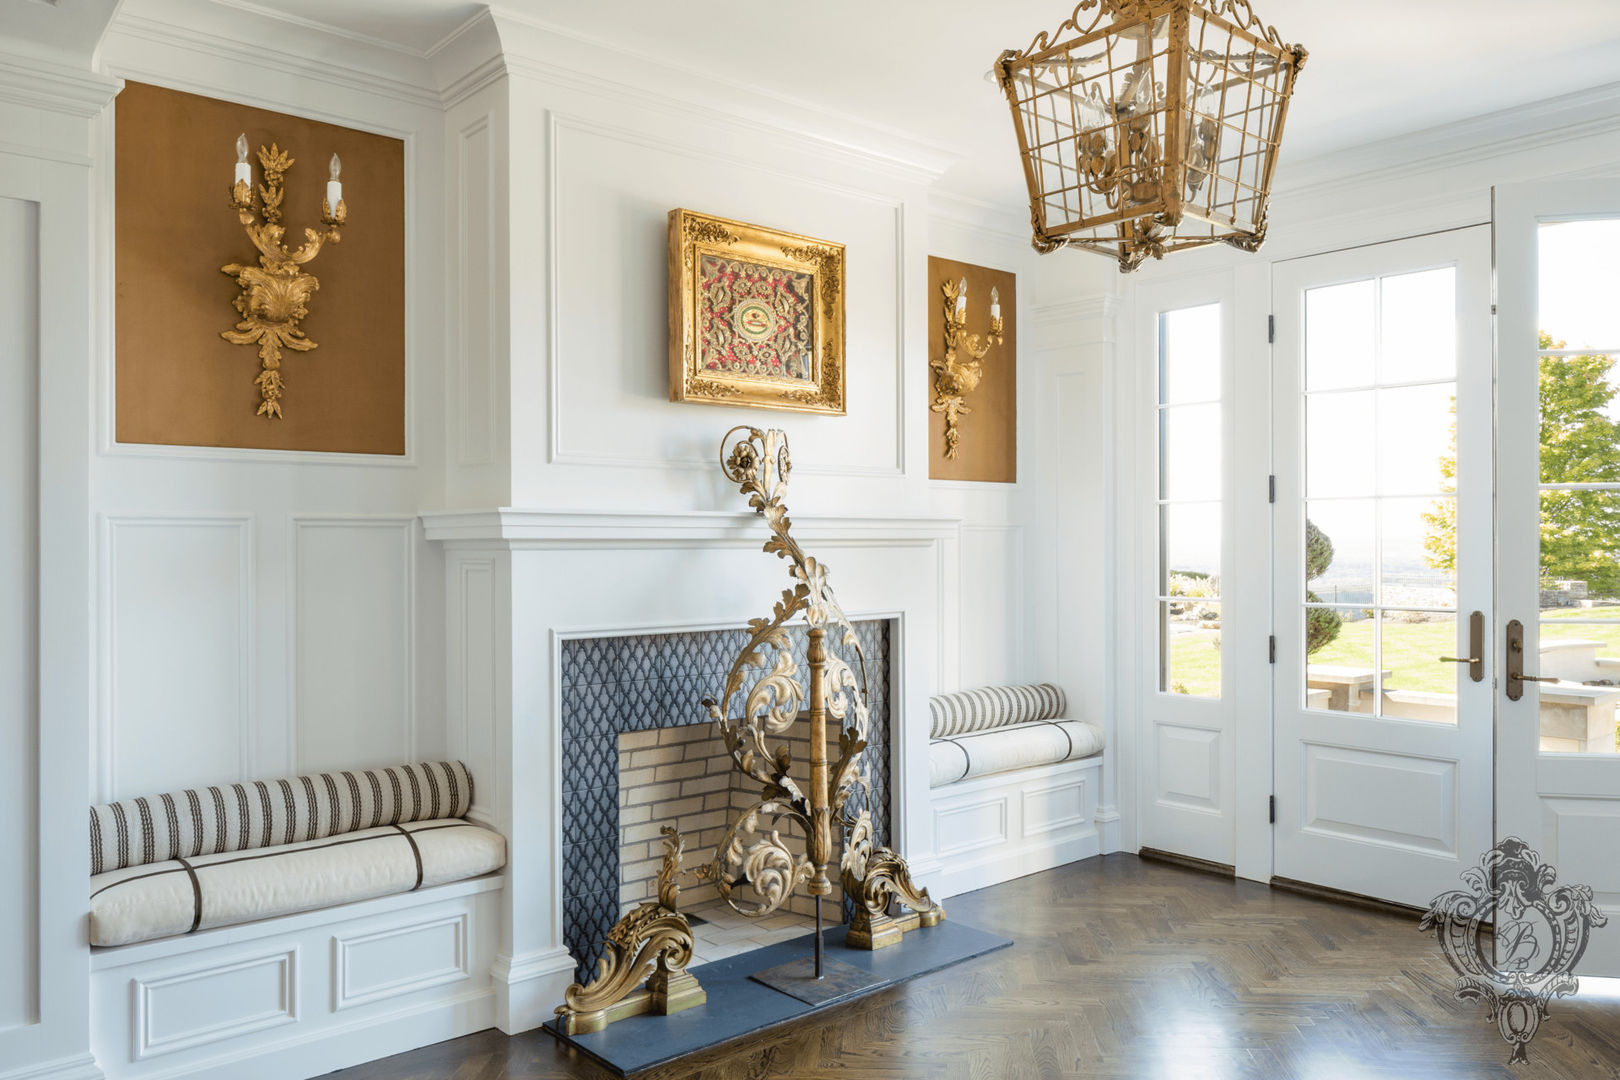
(77,1067)
(1005,866)
(1187,862)
(529,987)
(1341,896)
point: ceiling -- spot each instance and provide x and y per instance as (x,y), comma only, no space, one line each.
(1377,67)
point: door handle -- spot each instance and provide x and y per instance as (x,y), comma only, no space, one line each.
(1476,648)
(1516,678)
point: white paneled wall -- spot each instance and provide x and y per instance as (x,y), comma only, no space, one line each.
(19,607)
(353,673)
(177,651)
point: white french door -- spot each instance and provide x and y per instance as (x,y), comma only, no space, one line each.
(1558,522)
(1383,565)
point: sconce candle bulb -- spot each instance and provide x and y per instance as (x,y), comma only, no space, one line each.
(961,298)
(995,304)
(244,171)
(334,189)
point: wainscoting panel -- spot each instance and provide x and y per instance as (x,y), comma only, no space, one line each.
(475,299)
(972,826)
(19,613)
(992,599)
(610,392)
(353,634)
(215,1003)
(1585,847)
(177,652)
(1396,800)
(402,960)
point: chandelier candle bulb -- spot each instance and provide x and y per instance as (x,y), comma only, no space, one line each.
(244,171)
(334,189)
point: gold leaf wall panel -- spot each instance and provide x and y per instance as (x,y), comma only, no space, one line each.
(988,436)
(178,382)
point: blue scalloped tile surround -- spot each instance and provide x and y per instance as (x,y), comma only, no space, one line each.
(612,685)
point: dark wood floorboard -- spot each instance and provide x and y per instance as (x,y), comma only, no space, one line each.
(1123,968)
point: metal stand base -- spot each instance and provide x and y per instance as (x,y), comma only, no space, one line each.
(798,979)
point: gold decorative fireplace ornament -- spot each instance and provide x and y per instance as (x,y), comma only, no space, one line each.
(275,294)
(1150,126)
(754,869)
(955,378)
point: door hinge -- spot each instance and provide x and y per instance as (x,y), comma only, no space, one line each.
(1271,329)
(1271,488)
(1272,812)
(1272,649)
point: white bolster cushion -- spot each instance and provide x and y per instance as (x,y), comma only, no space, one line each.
(139,903)
(1004,749)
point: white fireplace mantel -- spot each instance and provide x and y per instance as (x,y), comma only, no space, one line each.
(519,527)
(519,582)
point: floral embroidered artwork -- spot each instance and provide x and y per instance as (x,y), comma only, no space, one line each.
(756,320)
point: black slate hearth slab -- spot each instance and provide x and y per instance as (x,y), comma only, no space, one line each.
(739,1006)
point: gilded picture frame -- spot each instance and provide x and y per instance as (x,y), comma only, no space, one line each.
(756,316)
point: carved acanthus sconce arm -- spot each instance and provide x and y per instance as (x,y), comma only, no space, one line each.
(275,294)
(955,377)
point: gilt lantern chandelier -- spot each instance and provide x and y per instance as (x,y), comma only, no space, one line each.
(1150,126)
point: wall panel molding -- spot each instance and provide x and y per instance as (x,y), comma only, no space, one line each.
(150,599)
(387,624)
(561,454)
(272,975)
(476,405)
(440,945)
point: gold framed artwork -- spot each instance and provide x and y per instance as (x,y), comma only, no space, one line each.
(756,316)
(973,372)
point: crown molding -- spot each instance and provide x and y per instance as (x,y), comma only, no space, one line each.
(272,40)
(988,218)
(1537,125)
(52,87)
(515,527)
(549,53)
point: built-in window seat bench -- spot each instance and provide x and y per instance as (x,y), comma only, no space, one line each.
(285,928)
(1015,783)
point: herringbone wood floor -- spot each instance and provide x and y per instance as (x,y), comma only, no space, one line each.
(1123,968)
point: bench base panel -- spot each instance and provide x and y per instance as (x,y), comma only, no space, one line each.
(996,828)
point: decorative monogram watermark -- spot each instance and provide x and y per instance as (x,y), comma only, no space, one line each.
(1540,932)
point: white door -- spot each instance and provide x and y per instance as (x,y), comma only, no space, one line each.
(1382,369)
(1558,516)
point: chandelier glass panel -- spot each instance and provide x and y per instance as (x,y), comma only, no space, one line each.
(1150,127)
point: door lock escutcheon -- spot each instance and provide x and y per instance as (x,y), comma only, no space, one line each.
(1516,678)
(1476,648)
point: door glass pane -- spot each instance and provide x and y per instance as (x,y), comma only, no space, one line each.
(1339,671)
(1417,558)
(1189,495)
(1580,278)
(1339,339)
(1380,469)
(1579,565)
(1338,428)
(1413,343)
(1417,684)
(1415,439)
(1191,639)
(1190,356)
(1191,458)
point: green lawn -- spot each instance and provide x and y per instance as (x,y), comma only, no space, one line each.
(1410,650)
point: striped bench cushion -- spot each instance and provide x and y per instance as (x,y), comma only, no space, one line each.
(266,813)
(990,707)
(180,896)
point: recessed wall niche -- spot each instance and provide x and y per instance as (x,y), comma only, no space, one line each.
(177,381)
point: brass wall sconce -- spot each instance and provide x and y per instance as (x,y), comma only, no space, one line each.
(275,294)
(955,378)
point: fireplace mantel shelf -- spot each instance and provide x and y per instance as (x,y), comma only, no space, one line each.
(518,527)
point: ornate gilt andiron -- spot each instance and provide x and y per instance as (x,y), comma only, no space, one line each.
(954,377)
(754,869)
(275,294)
